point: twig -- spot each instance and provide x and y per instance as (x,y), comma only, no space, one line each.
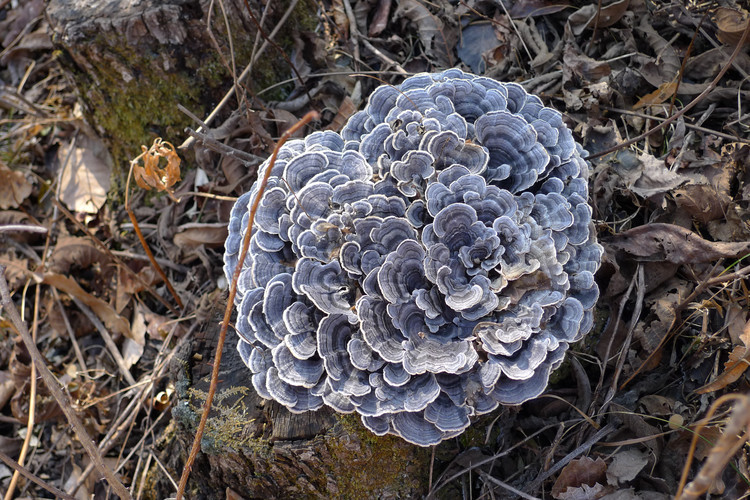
(385,58)
(54,388)
(119,261)
(22,227)
(732,439)
(598,436)
(312,115)
(32,401)
(688,125)
(107,340)
(506,486)
(145,246)
(246,72)
(691,105)
(31,477)
(353,29)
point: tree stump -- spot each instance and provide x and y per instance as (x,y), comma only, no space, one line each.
(261,450)
(134,61)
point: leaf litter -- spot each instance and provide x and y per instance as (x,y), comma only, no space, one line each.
(672,332)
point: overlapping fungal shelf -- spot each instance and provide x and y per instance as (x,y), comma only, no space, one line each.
(431,262)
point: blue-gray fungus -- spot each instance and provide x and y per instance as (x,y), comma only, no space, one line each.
(431,262)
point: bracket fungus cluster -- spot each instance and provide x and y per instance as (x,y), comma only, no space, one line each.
(432,261)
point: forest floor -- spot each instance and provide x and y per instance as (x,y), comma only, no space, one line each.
(660,384)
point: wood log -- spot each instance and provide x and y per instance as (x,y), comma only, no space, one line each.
(261,450)
(133,61)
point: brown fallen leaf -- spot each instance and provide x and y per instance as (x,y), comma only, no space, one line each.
(583,471)
(106,313)
(590,15)
(671,243)
(86,177)
(658,96)
(432,32)
(194,234)
(731,24)
(702,201)
(735,367)
(380,18)
(626,465)
(14,188)
(151,175)
(346,109)
(521,9)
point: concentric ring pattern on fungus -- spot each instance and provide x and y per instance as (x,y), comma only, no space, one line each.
(432,261)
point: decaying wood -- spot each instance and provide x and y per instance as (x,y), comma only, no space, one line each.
(260,449)
(134,61)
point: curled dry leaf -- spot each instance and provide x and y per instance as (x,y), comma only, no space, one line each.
(531,8)
(194,234)
(658,96)
(671,243)
(106,313)
(14,187)
(86,176)
(590,16)
(626,465)
(380,18)
(7,388)
(731,24)
(151,175)
(346,109)
(431,29)
(736,365)
(583,471)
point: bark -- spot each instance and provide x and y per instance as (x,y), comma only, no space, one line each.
(261,450)
(133,61)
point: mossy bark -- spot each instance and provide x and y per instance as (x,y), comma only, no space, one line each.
(261,450)
(134,61)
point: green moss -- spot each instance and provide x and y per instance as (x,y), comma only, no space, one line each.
(226,427)
(378,465)
(133,112)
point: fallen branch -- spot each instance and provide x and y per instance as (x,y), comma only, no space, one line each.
(54,388)
(312,115)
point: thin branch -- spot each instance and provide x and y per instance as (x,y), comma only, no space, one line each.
(31,477)
(691,105)
(312,115)
(54,388)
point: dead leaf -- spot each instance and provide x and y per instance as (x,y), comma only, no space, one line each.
(579,472)
(74,251)
(431,31)
(7,388)
(731,24)
(106,313)
(663,305)
(86,176)
(583,66)
(522,9)
(133,346)
(735,367)
(346,109)
(671,243)
(625,466)
(658,96)
(656,405)
(14,188)
(194,234)
(380,18)
(477,39)
(151,175)
(589,16)
(703,202)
